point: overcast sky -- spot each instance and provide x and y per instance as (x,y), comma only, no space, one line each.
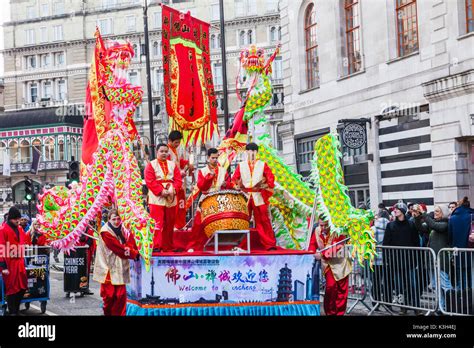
(4,17)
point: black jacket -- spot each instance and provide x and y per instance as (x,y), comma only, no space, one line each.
(401,233)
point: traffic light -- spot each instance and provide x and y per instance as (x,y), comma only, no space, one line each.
(74,171)
(29,194)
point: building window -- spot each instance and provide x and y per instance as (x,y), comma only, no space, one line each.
(277,69)
(30,36)
(47,90)
(59,58)
(274,34)
(158,80)
(58,8)
(245,8)
(407,27)
(14,152)
(311,47)
(246,37)
(57,32)
(215,13)
(49,150)
(105,26)
(240,8)
(61,150)
(33,92)
(157,49)
(61,90)
(109,3)
(215,41)
(217,73)
(131,23)
(469,16)
(44,10)
(25,151)
(73,148)
(45,60)
(242,38)
(44,34)
(31,11)
(305,151)
(156,20)
(133,78)
(352,63)
(31,62)
(272,6)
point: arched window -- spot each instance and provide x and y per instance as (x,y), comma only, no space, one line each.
(155,49)
(273,34)
(73,149)
(242,38)
(213,41)
(49,150)
(61,150)
(2,152)
(79,149)
(14,152)
(311,47)
(250,37)
(25,151)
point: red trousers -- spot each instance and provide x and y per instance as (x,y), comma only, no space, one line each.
(198,237)
(180,220)
(164,229)
(115,299)
(263,224)
(335,297)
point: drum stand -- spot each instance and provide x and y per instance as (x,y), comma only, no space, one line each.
(228,238)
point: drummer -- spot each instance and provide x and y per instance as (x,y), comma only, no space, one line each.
(211,178)
(256,178)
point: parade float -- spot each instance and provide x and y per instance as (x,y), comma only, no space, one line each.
(204,283)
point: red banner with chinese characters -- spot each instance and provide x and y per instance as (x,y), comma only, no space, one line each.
(189,91)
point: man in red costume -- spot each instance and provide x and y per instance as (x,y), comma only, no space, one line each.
(12,260)
(336,266)
(256,178)
(111,267)
(186,168)
(163,180)
(211,178)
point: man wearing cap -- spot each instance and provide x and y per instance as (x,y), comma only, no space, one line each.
(401,232)
(12,260)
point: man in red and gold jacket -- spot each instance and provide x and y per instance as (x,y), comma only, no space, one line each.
(211,178)
(163,180)
(336,265)
(112,265)
(12,260)
(186,168)
(256,178)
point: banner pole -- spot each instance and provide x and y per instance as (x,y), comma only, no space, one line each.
(224,66)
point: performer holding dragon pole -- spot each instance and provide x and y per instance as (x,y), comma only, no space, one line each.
(255,177)
(213,177)
(163,180)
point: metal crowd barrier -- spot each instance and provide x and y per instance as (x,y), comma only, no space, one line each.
(404,277)
(455,283)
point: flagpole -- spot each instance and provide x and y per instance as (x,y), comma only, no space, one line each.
(148,81)
(224,66)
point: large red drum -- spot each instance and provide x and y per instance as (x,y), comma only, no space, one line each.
(224,210)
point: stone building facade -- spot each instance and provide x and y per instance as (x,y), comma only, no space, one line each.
(49,45)
(402,68)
